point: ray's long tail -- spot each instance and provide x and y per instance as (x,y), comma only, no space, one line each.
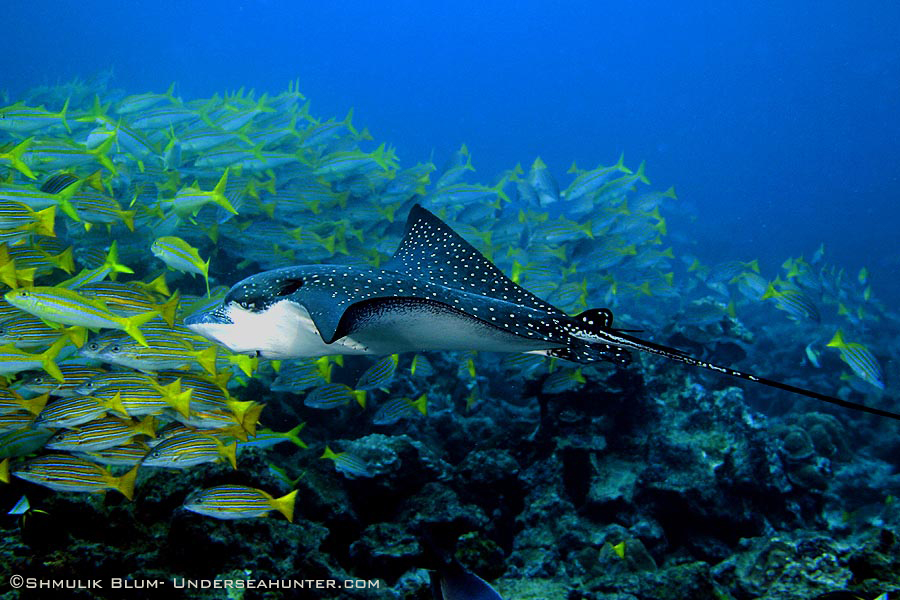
(612,344)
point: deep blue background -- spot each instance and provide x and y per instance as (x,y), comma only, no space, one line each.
(778,122)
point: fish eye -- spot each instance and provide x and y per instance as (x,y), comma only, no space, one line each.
(94,346)
(115,348)
(38,380)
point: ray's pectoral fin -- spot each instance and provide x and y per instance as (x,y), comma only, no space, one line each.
(326,312)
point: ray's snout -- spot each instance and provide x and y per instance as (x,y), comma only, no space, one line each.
(207,317)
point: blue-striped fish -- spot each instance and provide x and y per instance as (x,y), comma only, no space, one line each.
(147,398)
(13,360)
(563,380)
(156,355)
(74,375)
(189,200)
(860,359)
(266,438)
(77,410)
(793,301)
(19,118)
(190,448)
(71,308)
(128,455)
(332,395)
(421,367)
(112,379)
(297,376)
(65,473)
(15,420)
(10,401)
(348,464)
(239,502)
(397,409)
(380,374)
(101,434)
(128,299)
(27,331)
(181,256)
(22,442)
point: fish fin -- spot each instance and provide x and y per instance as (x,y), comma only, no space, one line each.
(285,505)
(230,454)
(429,245)
(207,359)
(131,326)
(125,483)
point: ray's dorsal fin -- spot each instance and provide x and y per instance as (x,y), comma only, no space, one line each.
(433,252)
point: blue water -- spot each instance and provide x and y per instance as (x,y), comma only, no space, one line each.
(777,122)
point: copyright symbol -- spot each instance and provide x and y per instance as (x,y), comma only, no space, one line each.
(16,581)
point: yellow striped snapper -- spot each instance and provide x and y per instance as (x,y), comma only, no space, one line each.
(201,140)
(187,449)
(65,473)
(13,276)
(181,256)
(127,299)
(266,438)
(239,502)
(101,434)
(334,395)
(208,390)
(147,398)
(15,215)
(141,102)
(113,379)
(10,401)
(397,409)
(26,331)
(44,262)
(859,358)
(110,267)
(74,375)
(13,360)
(587,183)
(128,455)
(189,200)
(59,153)
(379,374)
(348,464)
(96,208)
(22,442)
(298,375)
(163,117)
(56,191)
(71,308)
(21,419)
(156,355)
(77,410)
(19,118)
(243,414)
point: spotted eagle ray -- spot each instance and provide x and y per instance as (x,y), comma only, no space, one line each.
(436,293)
